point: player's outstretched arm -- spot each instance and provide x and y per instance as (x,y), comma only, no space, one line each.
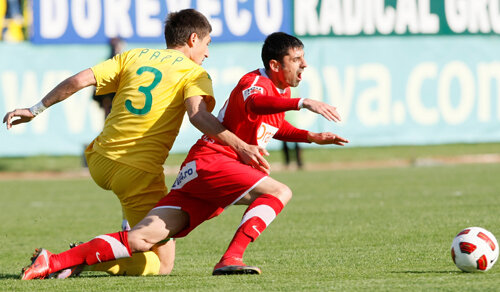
(289,133)
(326,110)
(62,91)
(326,138)
(210,125)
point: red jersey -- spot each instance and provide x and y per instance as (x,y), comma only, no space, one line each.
(212,177)
(252,128)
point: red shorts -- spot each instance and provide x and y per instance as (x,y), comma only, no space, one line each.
(208,182)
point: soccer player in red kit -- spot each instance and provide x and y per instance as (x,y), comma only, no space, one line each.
(213,177)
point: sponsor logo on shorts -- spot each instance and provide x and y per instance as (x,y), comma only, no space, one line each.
(186,174)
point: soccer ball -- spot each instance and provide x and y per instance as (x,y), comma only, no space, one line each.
(474,249)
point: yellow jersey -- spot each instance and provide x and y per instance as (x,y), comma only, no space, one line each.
(148,108)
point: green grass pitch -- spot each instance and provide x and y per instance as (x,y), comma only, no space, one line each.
(346,230)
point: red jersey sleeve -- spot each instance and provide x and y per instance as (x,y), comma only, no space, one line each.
(289,133)
(261,104)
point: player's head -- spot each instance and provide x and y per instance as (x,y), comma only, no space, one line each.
(283,56)
(190,28)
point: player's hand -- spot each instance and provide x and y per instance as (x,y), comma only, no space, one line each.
(24,115)
(254,156)
(326,138)
(324,109)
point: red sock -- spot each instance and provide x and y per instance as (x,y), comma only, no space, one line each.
(100,249)
(257,217)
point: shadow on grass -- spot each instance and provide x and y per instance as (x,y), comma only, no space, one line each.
(17,276)
(427,272)
(9,276)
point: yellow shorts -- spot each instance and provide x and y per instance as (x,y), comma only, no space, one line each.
(137,190)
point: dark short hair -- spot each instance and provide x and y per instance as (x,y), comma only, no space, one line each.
(181,24)
(276,47)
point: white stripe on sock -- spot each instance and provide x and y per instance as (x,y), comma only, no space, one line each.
(119,250)
(264,212)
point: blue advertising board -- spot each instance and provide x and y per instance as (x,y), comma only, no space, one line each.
(139,21)
(96,21)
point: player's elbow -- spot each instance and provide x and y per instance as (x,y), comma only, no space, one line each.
(196,119)
(81,80)
(202,120)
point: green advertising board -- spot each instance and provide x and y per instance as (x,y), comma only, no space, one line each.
(395,17)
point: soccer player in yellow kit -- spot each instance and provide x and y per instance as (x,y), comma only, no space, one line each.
(154,88)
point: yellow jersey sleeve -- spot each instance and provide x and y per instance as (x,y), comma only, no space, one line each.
(107,75)
(200,85)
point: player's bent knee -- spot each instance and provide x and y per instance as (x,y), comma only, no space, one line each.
(271,187)
(285,194)
(282,192)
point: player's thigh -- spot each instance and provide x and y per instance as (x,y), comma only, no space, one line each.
(268,186)
(159,224)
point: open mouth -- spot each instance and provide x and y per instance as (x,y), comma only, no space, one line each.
(299,75)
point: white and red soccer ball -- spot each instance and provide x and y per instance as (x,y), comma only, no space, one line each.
(474,249)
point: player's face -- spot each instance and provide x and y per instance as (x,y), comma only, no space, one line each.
(200,49)
(292,67)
